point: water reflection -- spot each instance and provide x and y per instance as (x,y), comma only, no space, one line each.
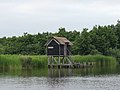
(52,73)
(59,72)
(95,78)
(97,70)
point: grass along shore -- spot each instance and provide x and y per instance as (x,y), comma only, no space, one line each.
(40,61)
(98,60)
(22,61)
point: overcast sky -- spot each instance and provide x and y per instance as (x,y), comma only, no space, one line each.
(33,16)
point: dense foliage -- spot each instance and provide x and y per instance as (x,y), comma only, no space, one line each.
(100,40)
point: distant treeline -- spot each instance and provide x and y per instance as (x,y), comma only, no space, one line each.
(100,40)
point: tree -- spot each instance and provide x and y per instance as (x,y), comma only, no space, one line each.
(100,40)
(83,43)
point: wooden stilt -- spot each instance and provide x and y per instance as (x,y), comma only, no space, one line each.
(59,62)
(48,61)
(53,62)
(63,60)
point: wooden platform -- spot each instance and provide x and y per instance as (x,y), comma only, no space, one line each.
(77,65)
(60,66)
(66,62)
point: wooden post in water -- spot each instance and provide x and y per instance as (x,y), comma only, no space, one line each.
(53,62)
(63,60)
(48,61)
(58,61)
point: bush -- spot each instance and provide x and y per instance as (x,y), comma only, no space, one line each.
(95,52)
(26,62)
(114,52)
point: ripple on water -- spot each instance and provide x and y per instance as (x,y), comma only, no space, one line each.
(103,82)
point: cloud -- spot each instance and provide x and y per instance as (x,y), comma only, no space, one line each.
(45,7)
(48,15)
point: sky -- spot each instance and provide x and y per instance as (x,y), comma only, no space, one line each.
(33,16)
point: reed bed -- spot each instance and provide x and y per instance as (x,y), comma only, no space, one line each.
(97,59)
(22,61)
(10,61)
(40,61)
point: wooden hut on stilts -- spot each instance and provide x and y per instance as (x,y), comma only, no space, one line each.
(58,52)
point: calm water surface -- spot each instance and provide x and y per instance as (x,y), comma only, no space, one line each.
(100,78)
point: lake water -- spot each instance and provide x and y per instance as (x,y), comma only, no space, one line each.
(95,78)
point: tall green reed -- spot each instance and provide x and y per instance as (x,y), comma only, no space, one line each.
(20,61)
(97,59)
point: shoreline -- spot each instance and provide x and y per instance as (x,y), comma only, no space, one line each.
(40,61)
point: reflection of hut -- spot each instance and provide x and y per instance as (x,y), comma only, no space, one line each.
(58,47)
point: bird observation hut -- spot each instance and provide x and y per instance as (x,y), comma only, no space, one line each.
(58,52)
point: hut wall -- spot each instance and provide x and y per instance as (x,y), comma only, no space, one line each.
(61,49)
(54,50)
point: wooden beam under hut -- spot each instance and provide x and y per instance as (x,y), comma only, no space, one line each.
(66,62)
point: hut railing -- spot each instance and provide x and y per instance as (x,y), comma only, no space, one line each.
(69,51)
(70,58)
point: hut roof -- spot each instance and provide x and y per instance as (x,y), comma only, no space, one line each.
(60,40)
(63,40)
